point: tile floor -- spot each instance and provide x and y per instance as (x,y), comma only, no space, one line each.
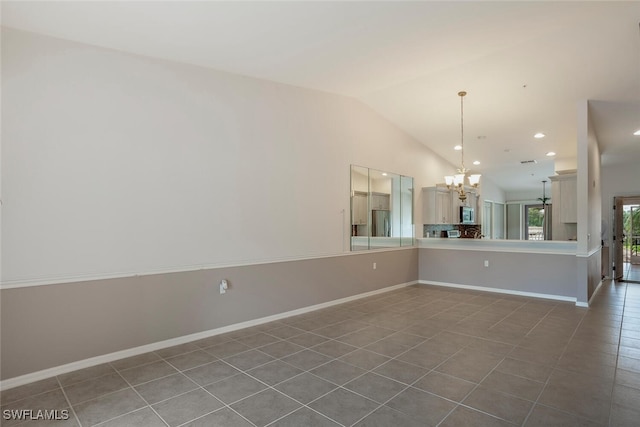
(419,356)
(631,272)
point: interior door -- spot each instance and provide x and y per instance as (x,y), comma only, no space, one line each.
(618,238)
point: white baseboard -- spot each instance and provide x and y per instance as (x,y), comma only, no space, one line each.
(111,357)
(595,292)
(501,291)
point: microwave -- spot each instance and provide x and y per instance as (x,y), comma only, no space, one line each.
(467,215)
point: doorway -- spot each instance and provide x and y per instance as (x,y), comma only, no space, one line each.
(537,222)
(626,262)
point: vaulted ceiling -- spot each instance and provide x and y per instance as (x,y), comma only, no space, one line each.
(525,65)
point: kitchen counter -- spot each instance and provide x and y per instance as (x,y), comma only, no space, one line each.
(495,245)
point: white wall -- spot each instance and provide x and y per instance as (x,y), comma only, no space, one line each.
(588,182)
(116,163)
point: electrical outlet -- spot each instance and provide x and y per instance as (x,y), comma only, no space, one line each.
(223,286)
(375,266)
(486,263)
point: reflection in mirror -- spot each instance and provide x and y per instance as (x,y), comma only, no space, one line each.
(381,209)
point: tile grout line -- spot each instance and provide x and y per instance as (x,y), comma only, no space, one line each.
(615,372)
(64,393)
(553,368)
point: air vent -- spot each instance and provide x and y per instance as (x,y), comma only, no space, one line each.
(526,162)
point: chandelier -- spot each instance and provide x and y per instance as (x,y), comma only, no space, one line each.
(457,181)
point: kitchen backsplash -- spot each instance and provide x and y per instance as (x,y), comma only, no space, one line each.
(467,231)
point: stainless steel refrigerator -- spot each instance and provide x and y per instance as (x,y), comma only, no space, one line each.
(380,223)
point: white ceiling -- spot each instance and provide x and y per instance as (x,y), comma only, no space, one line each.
(525,65)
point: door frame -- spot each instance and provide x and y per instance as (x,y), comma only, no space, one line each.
(617,240)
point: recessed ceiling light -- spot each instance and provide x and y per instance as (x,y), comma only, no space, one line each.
(539,135)
(637,133)
(476,162)
(384,174)
(458,147)
(551,154)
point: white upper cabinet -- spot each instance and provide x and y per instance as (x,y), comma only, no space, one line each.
(436,205)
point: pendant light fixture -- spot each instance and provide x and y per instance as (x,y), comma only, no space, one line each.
(457,181)
(546,213)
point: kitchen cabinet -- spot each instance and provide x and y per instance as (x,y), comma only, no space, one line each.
(380,201)
(564,196)
(437,205)
(359,209)
(564,200)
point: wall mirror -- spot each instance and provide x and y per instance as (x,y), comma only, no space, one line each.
(381,209)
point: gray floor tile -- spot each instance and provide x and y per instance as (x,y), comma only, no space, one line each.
(107,407)
(224,417)
(463,416)
(284,332)
(144,417)
(91,389)
(258,340)
(307,359)
(424,358)
(305,387)
(149,372)
(307,339)
(211,372)
(187,407)
(514,385)
(544,416)
(274,372)
(509,408)
(133,361)
(85,374)
(234,388)
(444,385)
(387,417)
(622,416)
(248,359)
(344,406)
(375,387)
(338,372)
(53,399)
(628,378)
(281,349)
(165,388)
(387,348)
(400,371)
(470,365)
(530,370)
(265,407)
(190,360)
(585,396)
(334,348)
(427,407)
(364,359)
(70,421)
(28,390)
(177,350)
(227,349)
(304,417)
(211,341)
